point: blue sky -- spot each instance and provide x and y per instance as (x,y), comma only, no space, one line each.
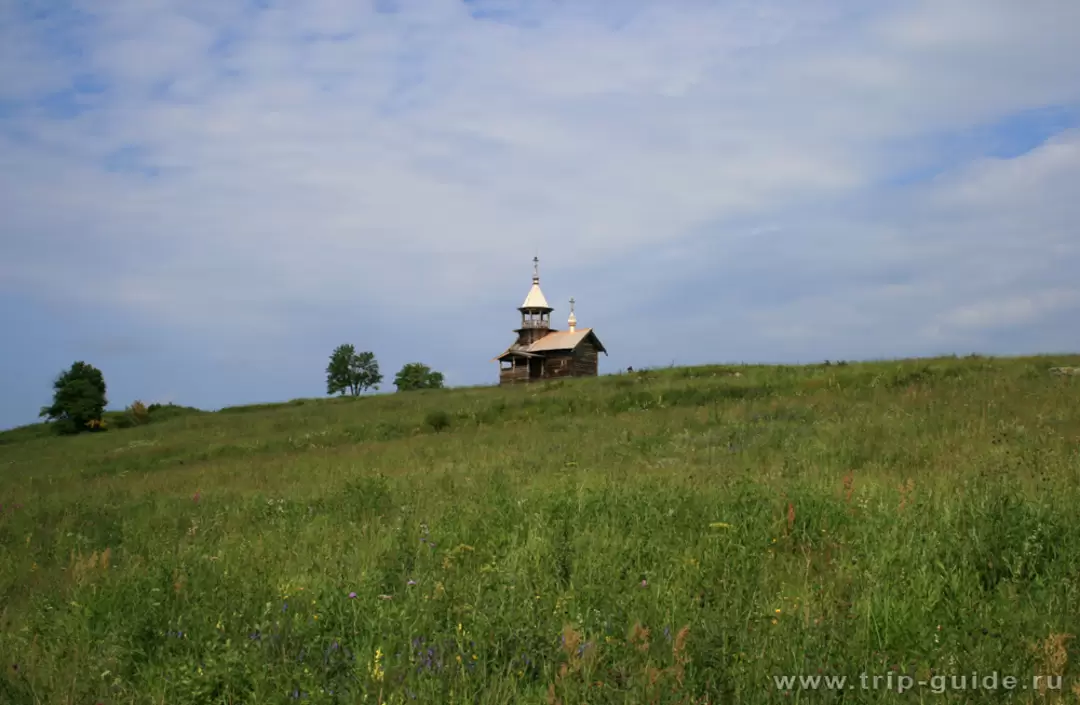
(204,197)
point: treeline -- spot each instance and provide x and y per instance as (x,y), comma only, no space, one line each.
(79,393)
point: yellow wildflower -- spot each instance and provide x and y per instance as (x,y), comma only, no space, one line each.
(376,667)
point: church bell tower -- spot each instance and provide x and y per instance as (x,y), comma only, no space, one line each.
(535,312)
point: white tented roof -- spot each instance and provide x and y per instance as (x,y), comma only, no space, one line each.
(535,299)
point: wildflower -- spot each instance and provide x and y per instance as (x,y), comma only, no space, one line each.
(411,582)
(777,610)
(774,621)
(377,671)
(352,595)
(644,583)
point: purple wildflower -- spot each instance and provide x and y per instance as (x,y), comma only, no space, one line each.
(411,582)
(352,595)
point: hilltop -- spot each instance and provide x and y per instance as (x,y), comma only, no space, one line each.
(673,535)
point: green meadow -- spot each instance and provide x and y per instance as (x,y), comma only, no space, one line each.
(683,535)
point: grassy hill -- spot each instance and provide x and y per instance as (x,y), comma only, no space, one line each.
(672,536)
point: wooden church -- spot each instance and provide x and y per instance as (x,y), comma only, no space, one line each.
(541,353)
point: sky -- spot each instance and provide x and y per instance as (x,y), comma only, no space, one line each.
(203,198)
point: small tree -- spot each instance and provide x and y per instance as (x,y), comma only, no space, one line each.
(78,399)
(352,372)
(416,375)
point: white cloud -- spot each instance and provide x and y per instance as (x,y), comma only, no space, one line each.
(324,153)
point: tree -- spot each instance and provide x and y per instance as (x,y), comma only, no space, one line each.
(78,399)
(352,372)
(416,375)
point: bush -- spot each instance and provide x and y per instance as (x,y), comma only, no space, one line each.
(437,420)
(161,412)
(123,420)
(416,375)
(138,413)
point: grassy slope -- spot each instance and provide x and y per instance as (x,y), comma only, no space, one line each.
(917,516)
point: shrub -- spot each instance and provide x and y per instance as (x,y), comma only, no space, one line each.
(138,413)
(437,420)
(416,375)
(123,420)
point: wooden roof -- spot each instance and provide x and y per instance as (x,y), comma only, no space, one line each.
(555,341)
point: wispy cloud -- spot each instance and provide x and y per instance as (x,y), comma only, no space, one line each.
(822,178)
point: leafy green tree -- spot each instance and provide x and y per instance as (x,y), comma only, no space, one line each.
(352,372)
(78,399)
(418,376)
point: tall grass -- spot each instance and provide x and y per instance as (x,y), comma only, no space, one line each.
(673,536)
